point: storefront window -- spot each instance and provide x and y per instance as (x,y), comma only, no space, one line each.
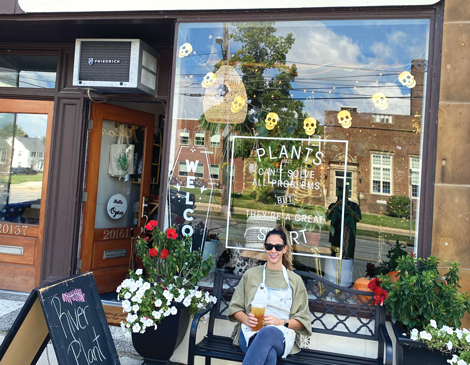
(313,125)
(22,147)
(28,71)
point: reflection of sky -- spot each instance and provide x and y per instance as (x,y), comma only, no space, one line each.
(34,125)
(37,79)
(340,63)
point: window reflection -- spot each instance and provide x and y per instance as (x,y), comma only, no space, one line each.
(22,149)
(280,86)
(28,71)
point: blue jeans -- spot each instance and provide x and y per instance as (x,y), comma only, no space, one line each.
(265,348)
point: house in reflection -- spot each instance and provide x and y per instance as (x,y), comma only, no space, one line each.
(383,154)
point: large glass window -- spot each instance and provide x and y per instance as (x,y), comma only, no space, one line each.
(308,120)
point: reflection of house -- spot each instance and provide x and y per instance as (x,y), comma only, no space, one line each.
(28,152)
(191,134)
(383,155)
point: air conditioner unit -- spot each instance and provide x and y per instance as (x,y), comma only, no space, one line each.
(115,66)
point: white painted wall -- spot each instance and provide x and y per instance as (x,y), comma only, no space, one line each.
(51,6)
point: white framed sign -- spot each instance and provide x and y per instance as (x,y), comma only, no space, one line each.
(117,206)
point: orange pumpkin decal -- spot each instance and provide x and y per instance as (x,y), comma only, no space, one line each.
(362,285)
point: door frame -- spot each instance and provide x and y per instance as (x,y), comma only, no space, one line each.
(20,106)
(100,112)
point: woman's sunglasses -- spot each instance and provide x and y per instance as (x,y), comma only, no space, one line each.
(269,247)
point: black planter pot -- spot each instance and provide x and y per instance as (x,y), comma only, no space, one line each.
(157,346)
(409,352)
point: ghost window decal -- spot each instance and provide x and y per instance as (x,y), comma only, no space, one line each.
(208,80)
(380,101)
(185,50)
(310,124)
(344,118)
(271,120)
(407,79)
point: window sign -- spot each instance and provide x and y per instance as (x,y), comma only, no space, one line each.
(248,95)
(297,201)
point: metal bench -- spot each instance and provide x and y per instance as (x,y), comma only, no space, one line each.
(336,311)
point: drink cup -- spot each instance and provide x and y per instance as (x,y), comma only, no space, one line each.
(258,310)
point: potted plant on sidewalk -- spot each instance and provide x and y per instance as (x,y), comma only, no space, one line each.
(418,295)
(160,299)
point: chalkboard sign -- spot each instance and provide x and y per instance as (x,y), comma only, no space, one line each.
(70,313)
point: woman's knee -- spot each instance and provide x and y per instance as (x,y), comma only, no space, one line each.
(270,332)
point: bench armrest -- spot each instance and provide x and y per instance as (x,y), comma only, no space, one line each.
(384,339)
(193,331)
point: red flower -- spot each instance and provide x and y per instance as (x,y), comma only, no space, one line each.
(151,225)
(146,239)
(153,252)
(380,296)
(374,284)
(171,233)
(412,254)
(164,254)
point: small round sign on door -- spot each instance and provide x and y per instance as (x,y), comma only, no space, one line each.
(117,206)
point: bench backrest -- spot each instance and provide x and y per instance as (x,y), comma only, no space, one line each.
(335,310)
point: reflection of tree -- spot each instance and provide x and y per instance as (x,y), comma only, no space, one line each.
(261,57)
(11,130)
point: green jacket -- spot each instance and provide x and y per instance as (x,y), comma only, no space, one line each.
(246,289)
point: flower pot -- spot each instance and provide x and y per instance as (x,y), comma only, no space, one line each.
(312,238)
(331,272)
(210,248)
(409,352)
(157,346)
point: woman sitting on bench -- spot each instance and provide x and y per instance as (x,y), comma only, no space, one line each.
(285,298)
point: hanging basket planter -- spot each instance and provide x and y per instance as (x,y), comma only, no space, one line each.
(225,99)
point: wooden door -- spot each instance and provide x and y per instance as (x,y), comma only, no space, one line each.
(106,239)
(25,143)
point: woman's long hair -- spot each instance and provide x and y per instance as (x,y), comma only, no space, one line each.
(287,257)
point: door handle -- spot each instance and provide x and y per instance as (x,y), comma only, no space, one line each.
(144,205)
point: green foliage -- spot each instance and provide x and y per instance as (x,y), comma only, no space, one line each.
(452,341)
(422,294)
(168,283)
(399,206)
(393,255)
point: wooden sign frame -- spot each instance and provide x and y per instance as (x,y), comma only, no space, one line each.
(46,315)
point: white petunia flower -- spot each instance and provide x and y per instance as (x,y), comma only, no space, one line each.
(158,303)
(135,307)
(138,272)
(414,334)
(450,331)
(173,310)
(127,295)
(187,302)
(198,294)
(449,345)
(425,336)
(167,312)
(433,323)
(467,338)
(461,362)
(118,290)
(136,328)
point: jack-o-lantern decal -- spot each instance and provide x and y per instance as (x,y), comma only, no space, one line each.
(380,101)
(344,118)
(271,120)
(310,124)
(407,79)
(185,50)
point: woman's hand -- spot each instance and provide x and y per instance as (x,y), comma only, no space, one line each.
(273,321)
(251,320)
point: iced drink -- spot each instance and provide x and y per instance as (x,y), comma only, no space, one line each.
(259,314)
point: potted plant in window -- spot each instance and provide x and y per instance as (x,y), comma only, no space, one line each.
(160,299)
(421,294)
